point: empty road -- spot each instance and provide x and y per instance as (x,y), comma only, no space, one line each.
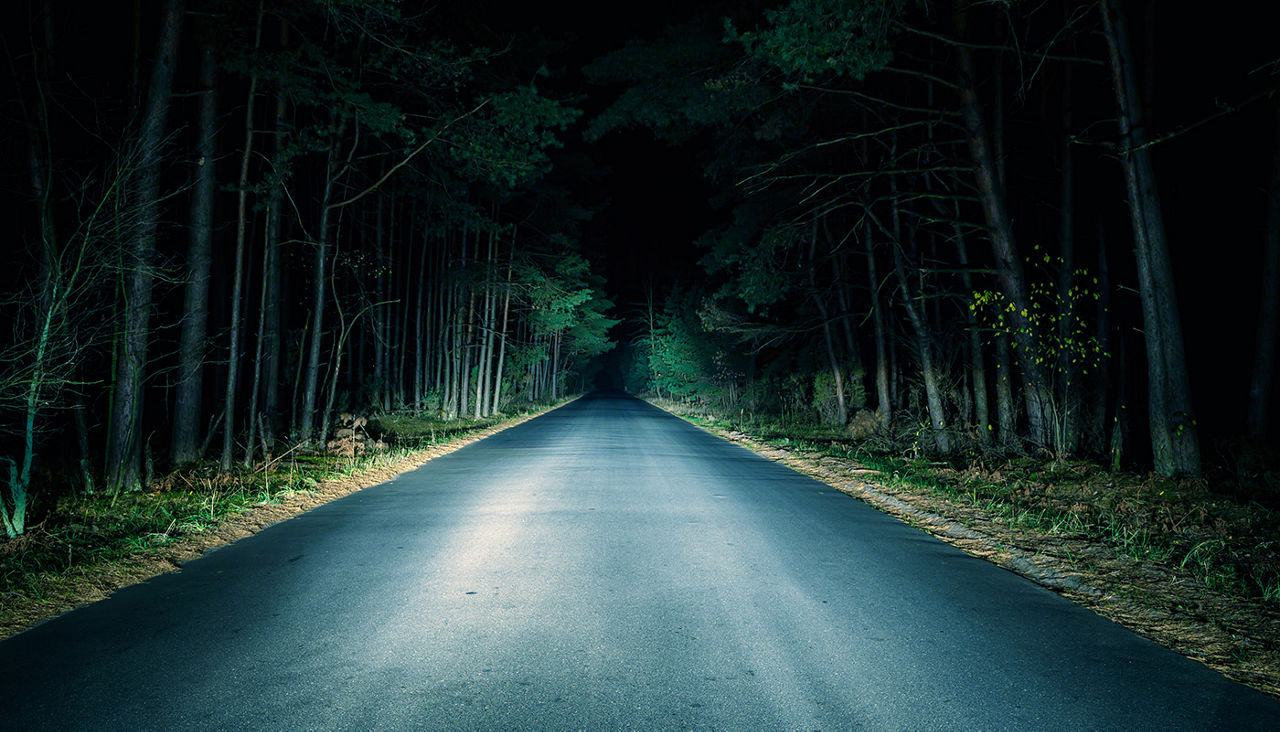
(603,566)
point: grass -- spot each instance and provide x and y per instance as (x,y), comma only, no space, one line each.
(78,535)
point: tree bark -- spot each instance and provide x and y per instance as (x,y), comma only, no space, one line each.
(1067,432)
(502,338)
(837,373)
(1099,376)
(380,318)
(1175,443)
(484,373)
(272,285)
(1008,260)
(924,344)
(191,343)
(255,387)
(124,447)
(884,410)
(1006,417)
(242,220)
(311,379)
(977,363)
(419,334)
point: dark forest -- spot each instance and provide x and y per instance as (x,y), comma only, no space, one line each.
(952,234)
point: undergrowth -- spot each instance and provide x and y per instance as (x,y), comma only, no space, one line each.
(79,532)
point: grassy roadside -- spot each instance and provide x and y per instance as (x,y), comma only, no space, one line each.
(1193,569)
(86,547)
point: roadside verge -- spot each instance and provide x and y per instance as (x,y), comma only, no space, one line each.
(85,582)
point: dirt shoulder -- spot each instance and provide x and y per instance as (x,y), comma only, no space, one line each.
(87,583)
(1161,601)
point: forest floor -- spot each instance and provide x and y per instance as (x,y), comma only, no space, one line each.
(1194,569)
(83,548)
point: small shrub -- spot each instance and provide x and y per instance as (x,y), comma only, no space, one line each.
(825,402)
(864,424)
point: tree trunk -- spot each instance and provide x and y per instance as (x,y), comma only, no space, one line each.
(502,337)
(272,325)
(555,365)
(1099,379)
(1175,444)
(1006,417)
(1008,261)
(486,335)
(419,336)
(242,218)
(843,300)
(837,373)
(1067,376)
(311,380)
(399,309)
(255,388)
(379,319)
(124,446)
(977,364)
(441,370)
(82,444)
(913,303)
(273,347)
(1120,414)
(884,411)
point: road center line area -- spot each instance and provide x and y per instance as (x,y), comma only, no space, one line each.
(605,565)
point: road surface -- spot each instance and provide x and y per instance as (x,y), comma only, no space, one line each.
(603,566)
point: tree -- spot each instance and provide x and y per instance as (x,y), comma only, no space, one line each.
(124,446)
(1174,436)
(192,345)
(57,325)
(242,213)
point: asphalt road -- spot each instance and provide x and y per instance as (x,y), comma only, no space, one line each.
(603,566)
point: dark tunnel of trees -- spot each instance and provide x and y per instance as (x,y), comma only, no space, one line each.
(974,224)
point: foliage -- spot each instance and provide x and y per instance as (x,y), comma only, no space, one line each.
(809,39)
(506,141)
(566,298)
(825,403)
(1056,321)
(758,265)
(57,323)
(637,377)
(681,360)
(677,85)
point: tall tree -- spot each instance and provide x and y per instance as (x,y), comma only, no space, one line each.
(124,446)
(1175,442)
(1008,257)
(242,221)
(188,391)
(334,167)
